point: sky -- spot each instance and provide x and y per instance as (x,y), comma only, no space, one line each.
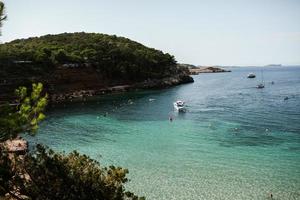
(200,32)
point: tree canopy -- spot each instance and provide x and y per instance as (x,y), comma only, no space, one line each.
(2,15)
(115,57)
(25,115)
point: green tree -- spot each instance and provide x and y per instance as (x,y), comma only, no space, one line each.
(61,56)
(115,58)
(2,15)
(24,116)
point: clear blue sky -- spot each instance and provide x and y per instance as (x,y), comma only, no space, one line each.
(206,32)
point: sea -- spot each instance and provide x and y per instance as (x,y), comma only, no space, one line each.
(235,142)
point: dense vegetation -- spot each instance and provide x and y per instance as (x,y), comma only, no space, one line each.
(44,174)
(115,57)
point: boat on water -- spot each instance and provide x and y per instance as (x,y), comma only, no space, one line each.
(179,106)
(262,84)
(251,75)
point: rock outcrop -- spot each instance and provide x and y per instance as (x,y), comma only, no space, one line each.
(16,146)
(83,94)
(198,70)
(80,83)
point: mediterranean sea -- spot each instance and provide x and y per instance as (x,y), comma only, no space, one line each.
(234,142)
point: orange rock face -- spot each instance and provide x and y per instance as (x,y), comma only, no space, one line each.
(19,146)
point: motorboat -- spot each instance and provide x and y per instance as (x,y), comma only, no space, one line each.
(260,86)
(180,106)
(251,75)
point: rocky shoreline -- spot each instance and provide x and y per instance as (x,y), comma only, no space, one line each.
(78,84)
(83,95)
(198,70)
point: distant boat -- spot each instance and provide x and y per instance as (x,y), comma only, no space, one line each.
(262,84)
(251,75)
(179,106)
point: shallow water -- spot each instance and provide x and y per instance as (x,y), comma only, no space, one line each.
(235,141)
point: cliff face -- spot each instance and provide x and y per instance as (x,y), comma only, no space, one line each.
(71,79)
(78,83)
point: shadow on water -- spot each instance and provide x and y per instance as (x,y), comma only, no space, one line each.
(247,140)
(147,105)
(295,148)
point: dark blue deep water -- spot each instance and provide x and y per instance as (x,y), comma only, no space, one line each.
(235,141)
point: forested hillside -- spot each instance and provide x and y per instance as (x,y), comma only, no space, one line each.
(117,57)
(70,62)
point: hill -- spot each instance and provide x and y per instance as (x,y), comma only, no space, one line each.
(71,62)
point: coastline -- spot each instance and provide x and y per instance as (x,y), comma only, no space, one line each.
(84,94)
(213,139)
(199,70)
(66,84)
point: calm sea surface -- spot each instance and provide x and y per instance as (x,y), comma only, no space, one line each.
(235,141)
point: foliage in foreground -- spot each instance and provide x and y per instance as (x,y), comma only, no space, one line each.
(44,174)
(50,175)
(2,15)
(25,115)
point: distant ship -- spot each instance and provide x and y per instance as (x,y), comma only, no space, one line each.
(274,65)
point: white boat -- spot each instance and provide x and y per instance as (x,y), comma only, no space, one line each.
(180,106)
(262,84)
(251,75)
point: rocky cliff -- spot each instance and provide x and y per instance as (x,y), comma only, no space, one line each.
(71,84)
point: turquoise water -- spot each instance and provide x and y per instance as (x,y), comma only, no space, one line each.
(235,141)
